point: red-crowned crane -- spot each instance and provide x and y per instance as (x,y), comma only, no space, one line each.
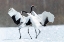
(19,18)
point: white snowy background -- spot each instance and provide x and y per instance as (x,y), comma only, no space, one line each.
(52,33)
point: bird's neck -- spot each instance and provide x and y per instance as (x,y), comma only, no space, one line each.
(31,9)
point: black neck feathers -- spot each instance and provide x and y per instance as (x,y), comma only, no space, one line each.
(31,9)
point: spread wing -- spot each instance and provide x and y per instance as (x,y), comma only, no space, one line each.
(16,16)
(45,17)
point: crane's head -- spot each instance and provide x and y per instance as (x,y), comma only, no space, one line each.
(33,6)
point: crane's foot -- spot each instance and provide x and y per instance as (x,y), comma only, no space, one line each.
(20,37)
(29,33)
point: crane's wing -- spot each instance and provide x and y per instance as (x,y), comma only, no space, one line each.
(16,16)
(34,20)
(46,17)
(33,13)
(36,15)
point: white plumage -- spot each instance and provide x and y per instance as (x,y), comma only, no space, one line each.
(47,14)
(34,20)
(12,12)
(42,17)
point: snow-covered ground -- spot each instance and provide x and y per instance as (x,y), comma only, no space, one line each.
(53,33)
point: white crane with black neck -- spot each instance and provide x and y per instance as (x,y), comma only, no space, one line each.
(19,18)
(31,19)
(42,18)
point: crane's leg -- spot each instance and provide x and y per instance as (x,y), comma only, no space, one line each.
(38,33)
(20,33)
(29,33)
